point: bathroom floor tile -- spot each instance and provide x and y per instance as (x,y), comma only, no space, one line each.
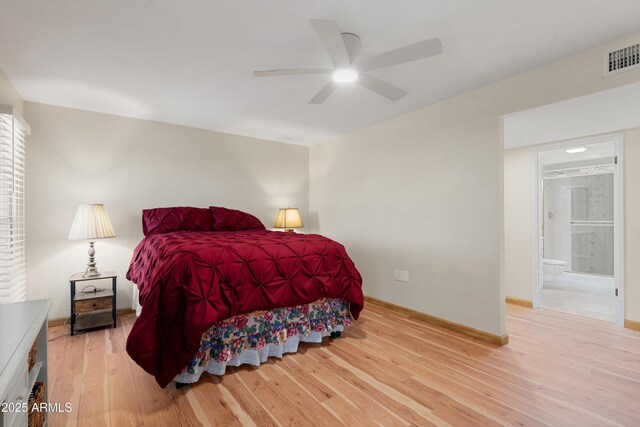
(595,306)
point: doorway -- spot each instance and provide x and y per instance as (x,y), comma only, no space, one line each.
(578,232)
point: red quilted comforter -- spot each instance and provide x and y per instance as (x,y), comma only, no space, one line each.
(190,280)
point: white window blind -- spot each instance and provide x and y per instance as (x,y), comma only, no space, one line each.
(13,131)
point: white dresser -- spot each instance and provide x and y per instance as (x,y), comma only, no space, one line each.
(21,324)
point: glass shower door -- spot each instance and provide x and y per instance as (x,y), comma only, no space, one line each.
(592,250)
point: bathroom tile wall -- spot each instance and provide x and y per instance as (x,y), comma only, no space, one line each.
(587,247)
(592,244)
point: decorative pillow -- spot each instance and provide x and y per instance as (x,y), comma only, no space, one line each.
(165,220)
(234,220)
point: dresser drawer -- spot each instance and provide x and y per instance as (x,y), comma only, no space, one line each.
(16,419)
(21,324)
(86,305)
(17,395)
(18,388)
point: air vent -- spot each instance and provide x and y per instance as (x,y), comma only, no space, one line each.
(624,59)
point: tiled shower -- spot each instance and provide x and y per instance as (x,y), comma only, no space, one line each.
(578,222)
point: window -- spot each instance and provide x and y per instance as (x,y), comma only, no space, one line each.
(13,131)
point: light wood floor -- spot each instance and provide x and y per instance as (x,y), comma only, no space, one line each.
(388,370)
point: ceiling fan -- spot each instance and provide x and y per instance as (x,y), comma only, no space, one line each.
(347,67)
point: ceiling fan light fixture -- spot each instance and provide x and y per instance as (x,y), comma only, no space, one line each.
(344,75)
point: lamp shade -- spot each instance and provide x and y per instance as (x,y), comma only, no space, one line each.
(91,222)
(288,218)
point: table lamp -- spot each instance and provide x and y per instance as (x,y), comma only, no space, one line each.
(91,223)
(288,218)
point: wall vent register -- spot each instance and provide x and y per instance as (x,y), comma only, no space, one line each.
(623,59)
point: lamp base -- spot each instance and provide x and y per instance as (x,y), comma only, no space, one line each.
(289,230)
(91,273)
(91,270)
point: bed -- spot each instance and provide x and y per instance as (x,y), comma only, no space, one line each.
(218,289)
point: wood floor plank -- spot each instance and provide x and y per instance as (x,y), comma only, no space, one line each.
(213,403)
(124,408)
(158,406)
(66,383)
(56,354)
(351,393)
(429,393)
(346,413)
(186,412)
(93,397)
(245,398)
(388,369)
(314,386)
(383,393)
(276,404)
(299,397)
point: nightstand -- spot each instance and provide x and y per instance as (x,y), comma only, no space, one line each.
(92,309)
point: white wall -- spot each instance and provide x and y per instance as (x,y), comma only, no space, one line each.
(77,157)
(518,178)
(519,173)
(9,95)
(632,224)
(576,117)
(423,192)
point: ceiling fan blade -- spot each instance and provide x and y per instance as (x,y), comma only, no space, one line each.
(331,39)
(323,93)
(389,91)
(412,52)
(292,72)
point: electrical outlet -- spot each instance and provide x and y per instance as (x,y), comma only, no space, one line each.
(401,275)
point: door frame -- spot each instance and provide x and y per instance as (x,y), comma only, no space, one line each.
(618,216)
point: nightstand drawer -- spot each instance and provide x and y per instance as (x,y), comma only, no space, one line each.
(84,306)
(93,319)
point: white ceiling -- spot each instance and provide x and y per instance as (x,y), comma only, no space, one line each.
(190,62)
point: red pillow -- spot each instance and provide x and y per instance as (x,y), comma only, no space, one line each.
(166,220)
(234,220)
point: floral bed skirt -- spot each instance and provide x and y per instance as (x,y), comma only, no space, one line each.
(254,337)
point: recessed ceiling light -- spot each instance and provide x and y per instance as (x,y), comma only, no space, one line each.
(344,75)
(576,150)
